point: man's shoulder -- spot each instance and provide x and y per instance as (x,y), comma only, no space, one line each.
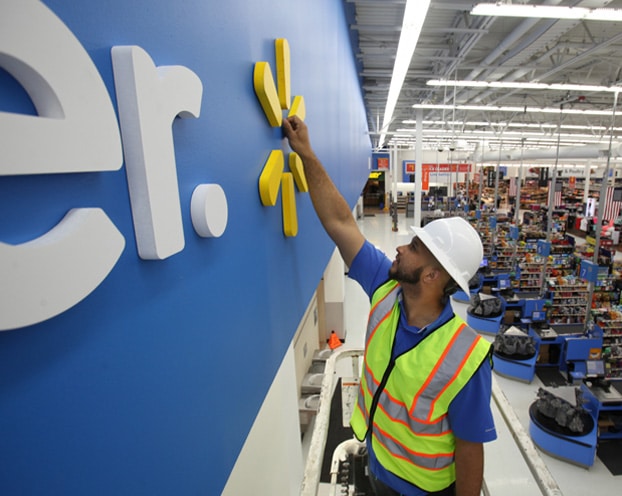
(370,267)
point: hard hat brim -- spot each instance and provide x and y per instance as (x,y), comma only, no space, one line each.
(442,258)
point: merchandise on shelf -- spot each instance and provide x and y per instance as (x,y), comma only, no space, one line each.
(610,323)
(569,299)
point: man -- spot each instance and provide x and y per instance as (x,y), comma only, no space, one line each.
(424,401)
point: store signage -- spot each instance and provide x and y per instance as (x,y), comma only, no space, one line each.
(425,180)
(409,167)
(444,168)
(588,271)
(382,162)
(75,108)
(543,248)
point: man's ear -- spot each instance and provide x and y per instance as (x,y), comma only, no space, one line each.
(437,275)
(432,273)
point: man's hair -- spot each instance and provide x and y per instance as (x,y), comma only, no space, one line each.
(450,288)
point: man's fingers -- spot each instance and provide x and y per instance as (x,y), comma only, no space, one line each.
(287,128)
(294,122)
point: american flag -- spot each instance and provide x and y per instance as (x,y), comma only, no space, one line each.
(557,201)
(512,189)
(612,207)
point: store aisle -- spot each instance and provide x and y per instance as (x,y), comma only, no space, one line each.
(506,471)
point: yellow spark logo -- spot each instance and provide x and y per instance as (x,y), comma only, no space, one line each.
(273,102)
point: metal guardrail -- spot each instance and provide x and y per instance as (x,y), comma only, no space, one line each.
(313,467)
(311,478)
(538,468)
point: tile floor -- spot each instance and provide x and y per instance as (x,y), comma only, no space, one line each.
(506,472)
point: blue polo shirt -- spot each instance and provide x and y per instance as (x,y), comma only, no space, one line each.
(469,413)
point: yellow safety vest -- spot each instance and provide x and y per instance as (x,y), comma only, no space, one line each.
(405,402)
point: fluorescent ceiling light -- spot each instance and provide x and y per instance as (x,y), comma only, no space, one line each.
(517,109)
(546,12)
(414,15)
(524,85)
(532,125)
(427,133)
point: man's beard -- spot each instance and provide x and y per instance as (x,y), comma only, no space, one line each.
(401,276)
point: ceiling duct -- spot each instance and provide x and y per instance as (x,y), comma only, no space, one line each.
(566,152)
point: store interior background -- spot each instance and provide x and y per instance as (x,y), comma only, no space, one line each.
(183,375)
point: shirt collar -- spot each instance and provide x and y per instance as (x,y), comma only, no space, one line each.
(445,316)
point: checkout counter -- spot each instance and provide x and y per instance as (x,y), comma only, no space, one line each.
(531,316)
(598,399)
(603,400)
(484,322)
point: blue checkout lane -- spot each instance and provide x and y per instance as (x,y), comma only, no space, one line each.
(574,353)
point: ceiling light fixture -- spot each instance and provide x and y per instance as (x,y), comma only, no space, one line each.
(466,133)
(546,12)
(507,124)
(414,15)
(586,88)
(516,109)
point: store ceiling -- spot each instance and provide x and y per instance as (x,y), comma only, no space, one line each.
(455,45)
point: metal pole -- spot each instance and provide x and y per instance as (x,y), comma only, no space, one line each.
(481,178)
(601,208)
(436,178)
(452,187)
(495,202)
(517,202)
(418,166)
(393,200)
(551,203)
(518,185)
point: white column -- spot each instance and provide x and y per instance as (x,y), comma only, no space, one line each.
(418,165)
(334,295)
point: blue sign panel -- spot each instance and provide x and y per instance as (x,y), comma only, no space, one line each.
(588,271)
(543,248)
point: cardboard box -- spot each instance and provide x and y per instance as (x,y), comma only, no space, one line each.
(509,317)
(543,356)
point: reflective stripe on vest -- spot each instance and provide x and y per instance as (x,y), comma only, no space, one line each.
(411,433)
(380,311)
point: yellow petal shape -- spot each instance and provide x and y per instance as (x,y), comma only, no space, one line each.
(270,178)
(298,108)
(282,72)
(263,82)
(290,218)
(295,165)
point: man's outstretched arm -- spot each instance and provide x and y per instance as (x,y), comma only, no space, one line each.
(330,206)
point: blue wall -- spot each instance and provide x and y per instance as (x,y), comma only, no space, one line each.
(150,384)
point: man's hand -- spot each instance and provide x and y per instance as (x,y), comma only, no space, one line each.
(297,134)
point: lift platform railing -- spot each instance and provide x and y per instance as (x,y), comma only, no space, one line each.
(311,478)
(541,474)
(313,467)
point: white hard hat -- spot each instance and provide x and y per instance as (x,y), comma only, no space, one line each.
(456,245)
